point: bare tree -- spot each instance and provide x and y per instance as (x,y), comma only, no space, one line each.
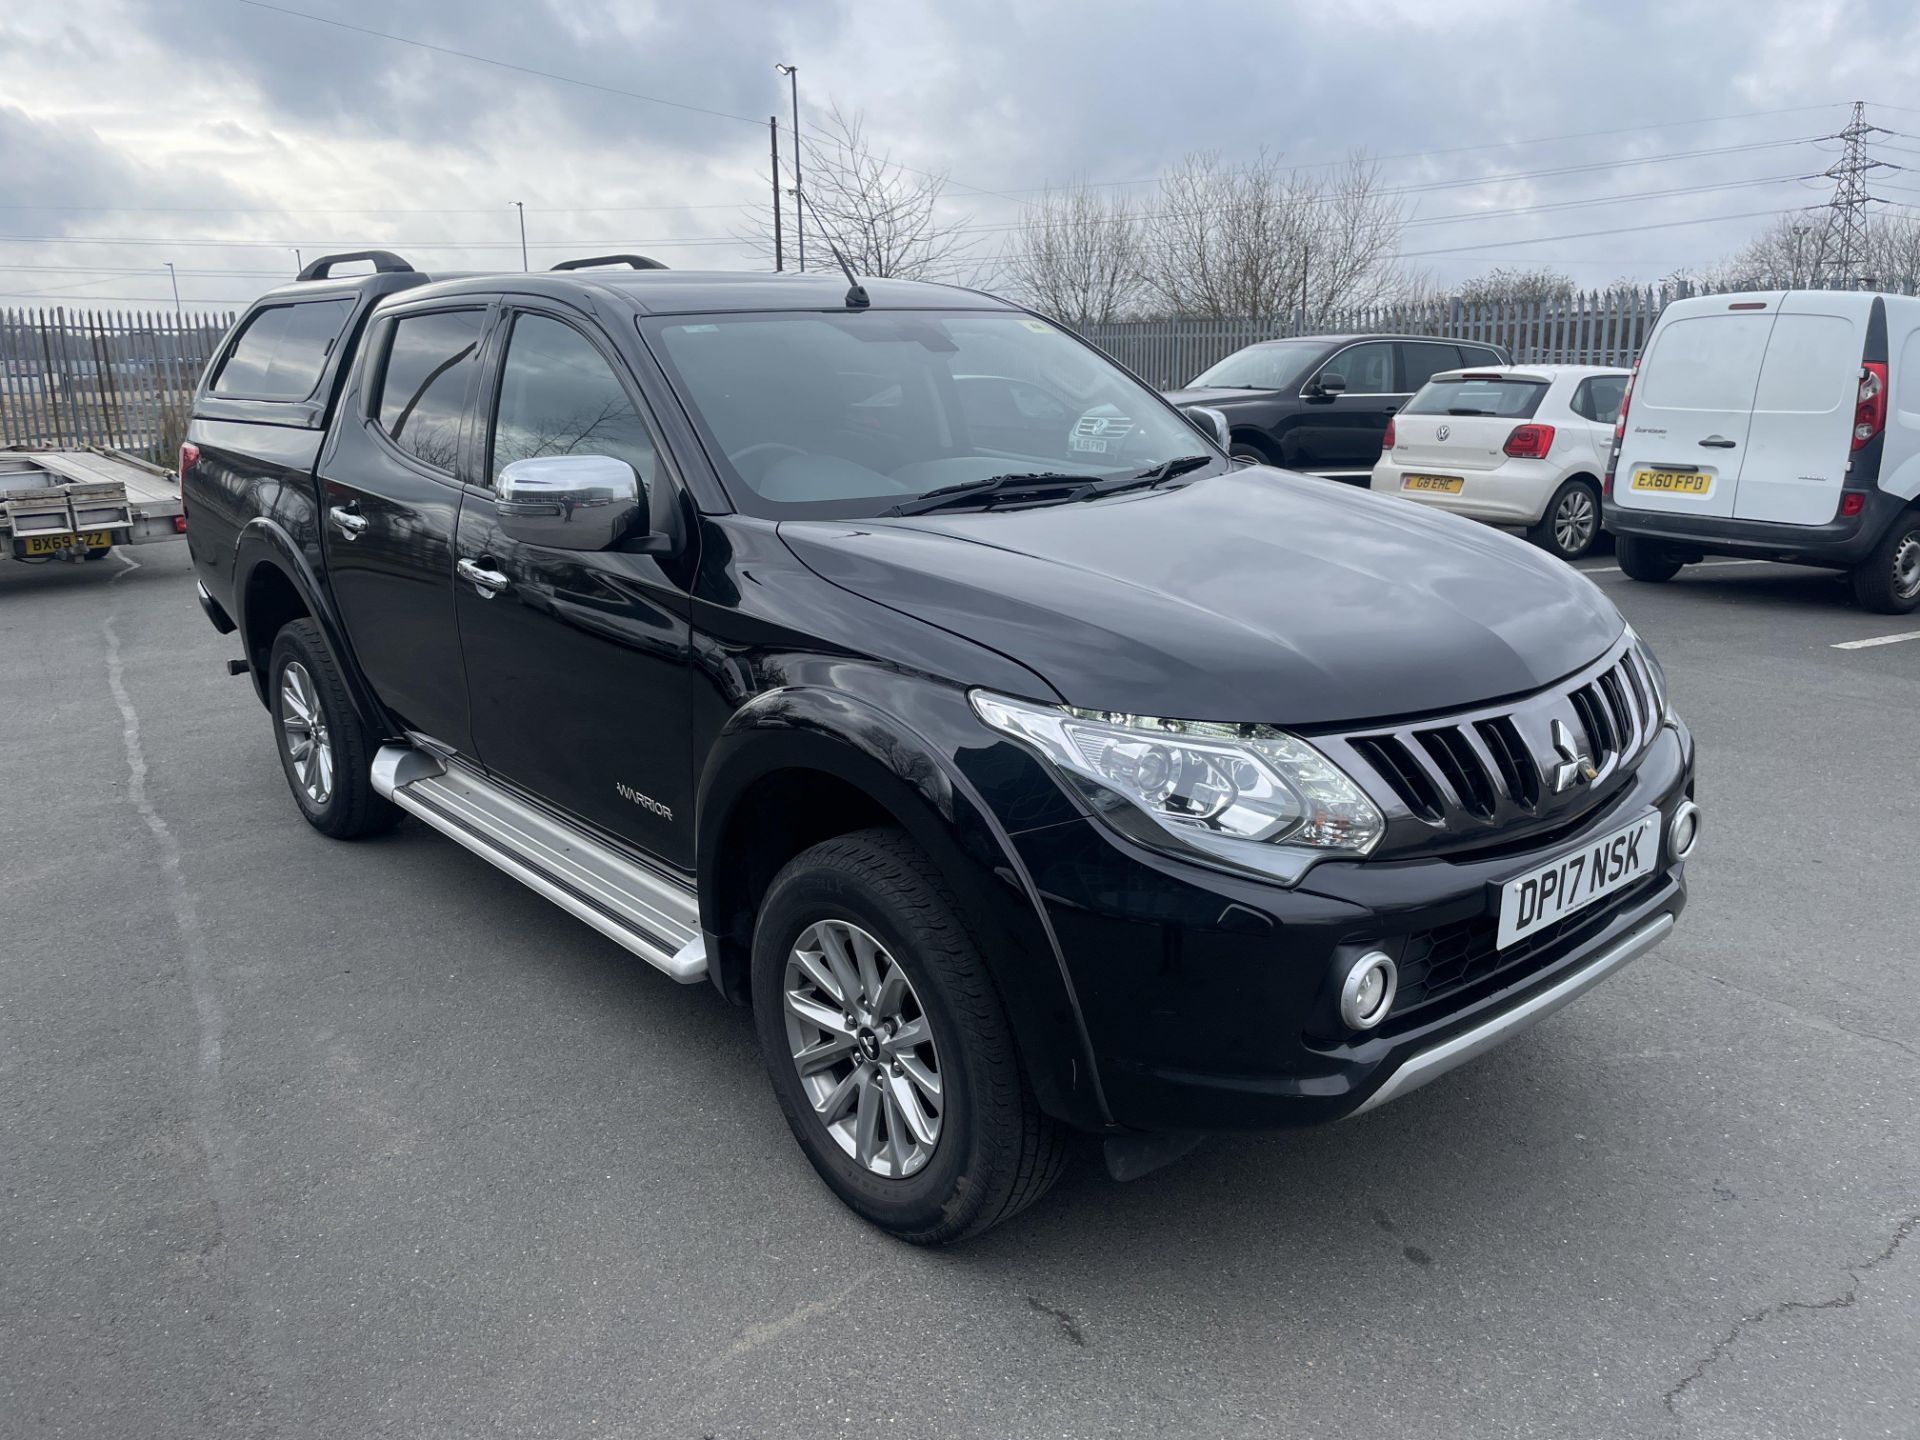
(1260,241)
(1790,254)
(1076,256)
(1893,252)
(881,215)
(1504,286)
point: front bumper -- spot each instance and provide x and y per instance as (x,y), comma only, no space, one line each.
(1210,1000)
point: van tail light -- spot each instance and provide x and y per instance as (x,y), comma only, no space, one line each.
(1386,440)
(1870,409)
(1619,432)
(1626,400)
(1529,442)
(1852,502)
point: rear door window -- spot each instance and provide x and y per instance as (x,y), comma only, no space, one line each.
(282,350)
(423,388)
(1705,362)
(1598,398)
(1480,355)
(1420,361)
(1505,398)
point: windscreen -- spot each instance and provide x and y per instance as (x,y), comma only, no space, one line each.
(1262,367)
(1503,397)
(846,415)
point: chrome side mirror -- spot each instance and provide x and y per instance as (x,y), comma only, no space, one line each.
(1211,423)
(1329,385)
(571,502)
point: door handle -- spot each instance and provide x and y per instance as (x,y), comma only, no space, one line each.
(1718,442)
(348,521)
(488,582)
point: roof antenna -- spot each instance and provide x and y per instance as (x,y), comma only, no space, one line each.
(856,292)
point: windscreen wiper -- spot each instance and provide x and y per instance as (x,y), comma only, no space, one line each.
(1469,412)
(967,492)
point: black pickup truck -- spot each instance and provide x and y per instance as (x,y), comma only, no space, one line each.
(898,663)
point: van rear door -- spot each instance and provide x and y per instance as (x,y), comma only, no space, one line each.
(1801,438)
(1692,406)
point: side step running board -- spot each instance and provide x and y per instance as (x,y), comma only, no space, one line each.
(651,914)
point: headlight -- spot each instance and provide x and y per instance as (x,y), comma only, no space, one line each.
(1248,794)
(1654,672)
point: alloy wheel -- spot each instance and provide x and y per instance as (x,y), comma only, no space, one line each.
(303,727)
(864,1050)
(1574,522)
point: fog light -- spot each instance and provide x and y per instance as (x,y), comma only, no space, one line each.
(1683,831)
(1367,993)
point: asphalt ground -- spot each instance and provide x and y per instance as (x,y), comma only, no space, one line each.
(309,1138)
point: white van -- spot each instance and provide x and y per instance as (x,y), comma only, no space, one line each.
(1782,425)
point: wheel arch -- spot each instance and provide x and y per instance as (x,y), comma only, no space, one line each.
(273,584)
(811,747)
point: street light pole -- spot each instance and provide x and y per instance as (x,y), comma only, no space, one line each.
(298,263)
(176,286)
(521,207)
(792,72)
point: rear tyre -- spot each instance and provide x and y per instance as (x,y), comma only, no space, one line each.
(326,752)
(888,1049)
(101,553)
(1645,560)
(1888,581)
(1570,525)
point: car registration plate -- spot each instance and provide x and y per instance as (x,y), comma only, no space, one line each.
(54,544)
(1445,484)
(1673,482)
(1576,879)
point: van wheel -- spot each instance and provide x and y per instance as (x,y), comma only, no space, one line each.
(1571,522)
(888,1049)
(1644,560)
(325,750)
(1888,581)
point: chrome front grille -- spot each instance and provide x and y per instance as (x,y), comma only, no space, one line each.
(1473,773)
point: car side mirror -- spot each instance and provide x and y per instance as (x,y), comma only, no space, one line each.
(570,502)
(1329,385)
(1211,423)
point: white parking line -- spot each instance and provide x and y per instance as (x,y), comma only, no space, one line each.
(1877,640)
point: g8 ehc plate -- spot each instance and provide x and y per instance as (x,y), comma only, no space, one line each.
(1579,877)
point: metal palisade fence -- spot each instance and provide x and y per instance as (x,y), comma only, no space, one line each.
(103,378)
(1599,328)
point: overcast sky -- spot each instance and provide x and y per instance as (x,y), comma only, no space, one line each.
(168,125)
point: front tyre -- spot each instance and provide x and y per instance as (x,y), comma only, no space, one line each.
(1645,560)
(325,750)
(1888,581)
(1571,522)
(888,1049)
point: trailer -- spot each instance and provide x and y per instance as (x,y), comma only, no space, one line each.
(79,504)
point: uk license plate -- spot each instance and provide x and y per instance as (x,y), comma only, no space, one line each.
(1577,879)
(1444,484)
(54,544)
(1673,482)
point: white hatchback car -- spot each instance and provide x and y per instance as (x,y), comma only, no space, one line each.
(1521,445)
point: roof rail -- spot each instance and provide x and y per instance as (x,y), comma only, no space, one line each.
(638,262)
(385,262)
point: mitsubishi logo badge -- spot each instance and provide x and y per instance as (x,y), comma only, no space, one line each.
(1576,766)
